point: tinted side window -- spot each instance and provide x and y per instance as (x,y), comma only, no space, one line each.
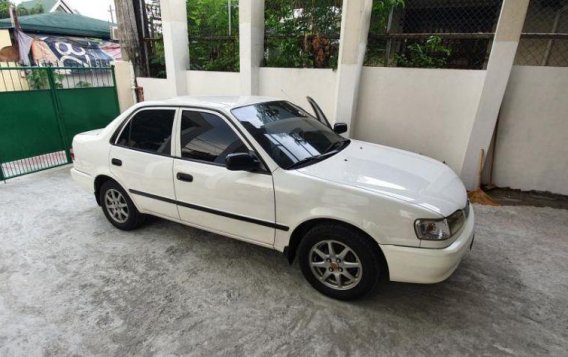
(207,137)
(149,130)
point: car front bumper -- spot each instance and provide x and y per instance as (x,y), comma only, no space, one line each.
(427,265)
(84,180)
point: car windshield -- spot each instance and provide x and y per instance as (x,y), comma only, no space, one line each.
(291,136)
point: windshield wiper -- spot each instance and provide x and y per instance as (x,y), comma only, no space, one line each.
(337,146)
(307,160)
(331,150)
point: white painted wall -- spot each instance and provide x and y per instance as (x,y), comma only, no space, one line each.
(5,38)
(429,111)
(213,83)
(532,140)
(422,110)
(294,84)
(157,88)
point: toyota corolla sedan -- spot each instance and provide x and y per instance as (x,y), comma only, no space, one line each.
(265,171)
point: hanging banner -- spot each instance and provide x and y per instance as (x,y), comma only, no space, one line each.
(74,51)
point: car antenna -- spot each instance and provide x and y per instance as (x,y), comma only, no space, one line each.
(286,94)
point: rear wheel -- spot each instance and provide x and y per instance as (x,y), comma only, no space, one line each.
(118,207)
(340,262)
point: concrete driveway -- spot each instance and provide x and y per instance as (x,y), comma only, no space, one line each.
(71,284)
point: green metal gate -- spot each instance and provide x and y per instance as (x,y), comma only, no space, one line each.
(42,108)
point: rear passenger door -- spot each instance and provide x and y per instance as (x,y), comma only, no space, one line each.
(141,159)
(235,203)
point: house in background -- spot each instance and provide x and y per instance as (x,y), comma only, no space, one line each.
(59,38)
(47,6)
(59,23)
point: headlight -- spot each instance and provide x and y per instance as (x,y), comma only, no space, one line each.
(440,229)
(432,229)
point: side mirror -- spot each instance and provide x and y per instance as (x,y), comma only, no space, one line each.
(241,161)
(340,128)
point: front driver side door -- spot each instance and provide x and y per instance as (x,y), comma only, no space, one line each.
(239,204)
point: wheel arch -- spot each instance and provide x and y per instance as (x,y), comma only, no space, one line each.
(99,181)
(299,232)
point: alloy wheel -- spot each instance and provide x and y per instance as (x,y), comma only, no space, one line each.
(116,205)
(335,265)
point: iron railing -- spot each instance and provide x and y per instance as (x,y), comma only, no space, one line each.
(544,41)
(433,33)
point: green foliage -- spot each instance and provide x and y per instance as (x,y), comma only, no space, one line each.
(37,9)
(37,79)
(302,33)
(380,14)
(211,47)
(83,84)
(20,10)
(375,55)
(431,54)
(5,9)
(158,60)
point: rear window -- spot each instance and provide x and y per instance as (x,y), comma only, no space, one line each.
(149,130)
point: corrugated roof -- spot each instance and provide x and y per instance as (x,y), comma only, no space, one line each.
(59,23)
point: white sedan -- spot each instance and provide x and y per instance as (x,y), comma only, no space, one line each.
(265,171)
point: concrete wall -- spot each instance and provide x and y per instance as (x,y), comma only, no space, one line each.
(429,111)
(156,88)
(449,115)
(5,38)
(422,110)
(213,83)
(531,151)
(198,83)
(294,84)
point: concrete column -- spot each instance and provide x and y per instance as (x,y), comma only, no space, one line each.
(355,21)
(499,67)
(124,74)
(251,44)
(174,27)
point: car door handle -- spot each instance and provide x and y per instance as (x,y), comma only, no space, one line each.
(116,162)
(184,177)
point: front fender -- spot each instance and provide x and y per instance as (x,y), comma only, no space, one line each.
(301,198)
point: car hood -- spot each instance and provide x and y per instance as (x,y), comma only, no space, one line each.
(395,173)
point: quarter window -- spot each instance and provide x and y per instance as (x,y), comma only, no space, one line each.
(207,137)
(149,130)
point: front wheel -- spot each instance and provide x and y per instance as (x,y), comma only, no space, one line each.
(339,262)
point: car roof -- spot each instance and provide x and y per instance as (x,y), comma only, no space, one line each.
(214,102)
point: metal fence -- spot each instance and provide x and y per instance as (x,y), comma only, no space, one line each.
(433,33)
(44,107)
(544,41)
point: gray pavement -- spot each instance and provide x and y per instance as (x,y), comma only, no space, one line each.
(72,284)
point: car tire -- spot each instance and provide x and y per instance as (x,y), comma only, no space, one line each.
(118,207)
(339,273)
